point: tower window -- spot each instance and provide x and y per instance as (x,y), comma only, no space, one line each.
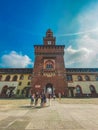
(49,42)
(49,66)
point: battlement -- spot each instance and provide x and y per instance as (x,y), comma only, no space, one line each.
(40,49)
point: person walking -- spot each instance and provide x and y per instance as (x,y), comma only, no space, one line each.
(49,98)
(43,100)
(36,99)
(59,95)
(54,96)
(32,99)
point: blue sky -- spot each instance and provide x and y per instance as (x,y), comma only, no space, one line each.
(24,23)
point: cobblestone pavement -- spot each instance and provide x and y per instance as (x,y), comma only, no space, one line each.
(54,117)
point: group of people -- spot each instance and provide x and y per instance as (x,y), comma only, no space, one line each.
(35,97)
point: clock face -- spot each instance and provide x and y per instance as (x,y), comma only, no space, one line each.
(49,42)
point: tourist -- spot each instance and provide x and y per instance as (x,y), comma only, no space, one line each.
(59,95)
(32,99)
(49,97)
(43,100)
(36,99)
(54,96)
(41,97)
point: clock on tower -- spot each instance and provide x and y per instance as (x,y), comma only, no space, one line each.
(49,42)
(49,39)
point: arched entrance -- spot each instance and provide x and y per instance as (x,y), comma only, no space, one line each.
(4,91)
(49,88)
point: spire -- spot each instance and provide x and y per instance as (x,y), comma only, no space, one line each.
(49,39)
(49,33)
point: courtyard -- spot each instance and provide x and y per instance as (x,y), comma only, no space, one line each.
(64,114)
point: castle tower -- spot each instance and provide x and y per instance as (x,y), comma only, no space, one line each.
(49,73)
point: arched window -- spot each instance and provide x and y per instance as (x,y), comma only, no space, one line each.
(21,77)
(92,89)
(7,78)
(87,78)
(69,77)
(0,77)
(79,78)
(78,89)
(15,78)
(49,64)
(96,78)
(4,90)
(29,77)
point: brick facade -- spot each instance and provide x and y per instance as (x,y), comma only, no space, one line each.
(49,73)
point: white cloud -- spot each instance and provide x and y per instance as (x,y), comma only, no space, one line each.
(79,33)
(74,57)
(86,54)
(15,60)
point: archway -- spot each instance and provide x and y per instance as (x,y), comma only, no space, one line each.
(92,89)
(15,78)
(4,91)
(49,88)
(79,91)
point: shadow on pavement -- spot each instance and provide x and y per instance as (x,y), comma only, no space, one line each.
(33,107)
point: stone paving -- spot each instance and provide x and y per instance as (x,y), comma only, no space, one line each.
(54,117)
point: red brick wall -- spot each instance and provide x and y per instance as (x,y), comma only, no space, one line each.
(58,81)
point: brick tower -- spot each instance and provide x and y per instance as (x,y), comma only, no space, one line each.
(49,73)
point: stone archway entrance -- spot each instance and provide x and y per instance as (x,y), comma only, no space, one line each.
(49,88)
(4,91)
